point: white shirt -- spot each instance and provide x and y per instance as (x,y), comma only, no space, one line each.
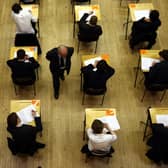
(23,21)
(101,141)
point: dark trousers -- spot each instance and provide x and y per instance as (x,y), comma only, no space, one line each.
(56,80)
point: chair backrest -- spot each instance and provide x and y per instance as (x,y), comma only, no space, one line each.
(88,37)
(92,91)
(157,87)
(100,153)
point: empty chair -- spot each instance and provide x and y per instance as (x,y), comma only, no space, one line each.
(27,40)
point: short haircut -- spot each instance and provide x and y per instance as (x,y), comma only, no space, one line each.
(21,54)
(164,54)
(16,8)
(97,126)
(154,15)
(93,20)
(12,120)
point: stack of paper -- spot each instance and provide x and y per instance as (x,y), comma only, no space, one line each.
(139,14)
(162,119)
(28,53)
(111,121)
(82,12)
(146,63)
(25,114)
(92,61)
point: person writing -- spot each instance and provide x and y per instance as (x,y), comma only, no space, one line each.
(23,66)
(23,136)
(95,76)
(60,61)
(158,72)
(144,30)
(100,138)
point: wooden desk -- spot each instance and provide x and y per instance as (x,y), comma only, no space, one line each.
(145,54)
(132,8)
(136,1)
(84,58)
(93,113)
(86,9)
(34,8)
(151,117)
(17,105)
(27,49)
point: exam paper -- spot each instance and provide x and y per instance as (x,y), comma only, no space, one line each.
(25,114)
(111,121)
(29,53)
(139,14)
(162,119)
(146,63)
(82,12)
(92,61)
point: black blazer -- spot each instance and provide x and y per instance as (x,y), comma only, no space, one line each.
(87,31)
(53,57)
(159,73)
(95,79)
(23,69)
(24,137)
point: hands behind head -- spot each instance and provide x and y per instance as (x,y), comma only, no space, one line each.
(90,13)
(95,63)
(33,113)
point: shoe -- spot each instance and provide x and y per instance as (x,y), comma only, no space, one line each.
(40,145)
(62,77)
(56,95)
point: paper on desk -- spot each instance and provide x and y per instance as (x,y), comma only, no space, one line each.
(162,119)
(25,114)
(111,121)
(29,53)
(139,14)
(146,63)
(92,61)
(82,12)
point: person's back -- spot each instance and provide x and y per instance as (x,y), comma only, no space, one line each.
(23,19)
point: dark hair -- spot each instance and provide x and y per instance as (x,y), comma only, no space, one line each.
(93,20)
(103,66)
(21,54)
(164,54)
(16,8)
(154,15)
(97,126)
(12,120)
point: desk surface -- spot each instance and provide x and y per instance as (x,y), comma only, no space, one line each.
(105,57)
(27,49)
(92,113)
(155,111)
(139,6)
(34,9)
(87,8)
(17,105)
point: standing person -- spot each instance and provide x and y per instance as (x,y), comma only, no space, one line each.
(24,20)
(145,30)
(60,60)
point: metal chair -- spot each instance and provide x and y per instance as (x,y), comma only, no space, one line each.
(94,92)
(156,88)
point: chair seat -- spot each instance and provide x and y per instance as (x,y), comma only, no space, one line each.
(92,91)
(24,81)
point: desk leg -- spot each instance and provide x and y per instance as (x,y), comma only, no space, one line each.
(126,29)
(84,127)
(137,70)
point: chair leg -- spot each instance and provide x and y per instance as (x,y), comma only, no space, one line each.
(96,46)
(78,46)
(83,99)
(143,95)
(86,158)
(34,88)
(120,2)
(164,92)
(102,99)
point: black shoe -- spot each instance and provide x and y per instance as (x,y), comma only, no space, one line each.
(62,77)
(40,145)
(56,95)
